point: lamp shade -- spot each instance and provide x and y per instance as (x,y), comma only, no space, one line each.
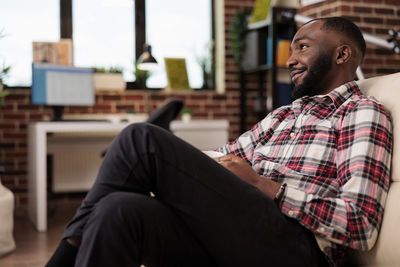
(146,61)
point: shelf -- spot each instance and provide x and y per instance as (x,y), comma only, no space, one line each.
(258,69)
(260,57)
(259,24)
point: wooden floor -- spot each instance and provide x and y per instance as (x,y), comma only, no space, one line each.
(33,249)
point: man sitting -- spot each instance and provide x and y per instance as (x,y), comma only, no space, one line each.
(301,186)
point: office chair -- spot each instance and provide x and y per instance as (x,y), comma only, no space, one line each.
(166,113)
(163,116)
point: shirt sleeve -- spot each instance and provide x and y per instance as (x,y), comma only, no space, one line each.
(245,144)
(353,216)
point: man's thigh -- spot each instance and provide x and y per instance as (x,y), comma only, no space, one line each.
(128,229)
(236,223)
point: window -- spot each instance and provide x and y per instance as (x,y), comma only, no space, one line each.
(22,22)
(104,34)
(178,28)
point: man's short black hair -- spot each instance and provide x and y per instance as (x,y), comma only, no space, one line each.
(345,26)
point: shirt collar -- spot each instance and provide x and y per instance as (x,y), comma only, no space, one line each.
(344,92)
(337,96)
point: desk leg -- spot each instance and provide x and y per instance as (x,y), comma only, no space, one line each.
(37,180)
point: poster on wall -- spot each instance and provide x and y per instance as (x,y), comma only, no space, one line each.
(176,74)
(260,11)
(53,52)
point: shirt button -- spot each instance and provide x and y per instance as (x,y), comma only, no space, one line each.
(290,212)
(292,134)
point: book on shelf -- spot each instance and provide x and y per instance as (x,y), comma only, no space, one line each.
(282,52)
(285,94)
(282,75)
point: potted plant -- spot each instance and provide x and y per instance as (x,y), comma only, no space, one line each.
(109,79)
(238,29)
(141,77)
(3,73)
(206,62)
(186,114)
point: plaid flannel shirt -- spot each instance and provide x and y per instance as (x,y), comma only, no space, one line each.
(333,151)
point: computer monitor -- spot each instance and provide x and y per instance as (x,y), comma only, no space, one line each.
(62,85)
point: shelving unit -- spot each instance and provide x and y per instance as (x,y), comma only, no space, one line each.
(260,57)
(281,28)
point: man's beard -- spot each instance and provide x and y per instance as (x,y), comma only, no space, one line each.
(315,74)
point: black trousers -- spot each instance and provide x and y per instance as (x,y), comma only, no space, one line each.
(201,215)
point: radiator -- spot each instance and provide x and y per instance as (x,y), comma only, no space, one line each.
(75,161)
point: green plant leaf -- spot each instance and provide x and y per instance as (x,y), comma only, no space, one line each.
(238,29)
(3,94)
(108,70)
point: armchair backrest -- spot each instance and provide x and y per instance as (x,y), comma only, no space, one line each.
(387,248)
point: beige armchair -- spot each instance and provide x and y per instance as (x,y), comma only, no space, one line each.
(386,251)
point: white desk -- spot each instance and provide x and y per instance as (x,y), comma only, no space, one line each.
(204,135)
(37,166)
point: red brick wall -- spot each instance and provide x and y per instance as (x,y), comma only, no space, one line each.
(18,112)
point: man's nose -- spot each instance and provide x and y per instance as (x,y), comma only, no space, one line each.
(291,61)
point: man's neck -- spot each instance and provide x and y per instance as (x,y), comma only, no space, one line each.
(334,81)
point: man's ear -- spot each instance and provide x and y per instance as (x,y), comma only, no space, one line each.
(343,54)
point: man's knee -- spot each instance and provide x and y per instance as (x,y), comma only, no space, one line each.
(142,128)
(117,209)
(137,136)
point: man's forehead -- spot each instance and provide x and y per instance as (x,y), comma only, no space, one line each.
(313,31)
(308,28)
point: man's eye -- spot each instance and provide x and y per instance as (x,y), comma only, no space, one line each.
(303,46)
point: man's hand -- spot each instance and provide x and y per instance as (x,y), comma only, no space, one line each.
(241,168)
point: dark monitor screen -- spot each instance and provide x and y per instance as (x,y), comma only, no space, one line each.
(62,85)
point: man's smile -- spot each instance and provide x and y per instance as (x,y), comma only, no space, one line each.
(296,73)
